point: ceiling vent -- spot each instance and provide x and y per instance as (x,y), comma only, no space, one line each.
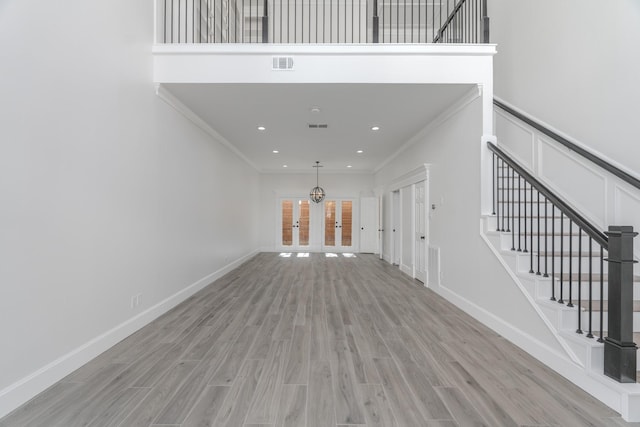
(318,125)
(282,63)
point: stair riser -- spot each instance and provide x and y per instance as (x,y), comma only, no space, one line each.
(524,265)
(589,350)
(511,209)
(596,321)
(566,319)
(558,243)
(543,290)
(531,226)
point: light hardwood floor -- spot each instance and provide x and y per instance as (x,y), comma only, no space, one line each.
(314,342)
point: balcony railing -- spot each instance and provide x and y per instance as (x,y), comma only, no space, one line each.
(322,21)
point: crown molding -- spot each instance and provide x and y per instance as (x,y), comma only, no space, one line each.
(179,106)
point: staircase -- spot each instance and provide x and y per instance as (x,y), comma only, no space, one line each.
(561,311)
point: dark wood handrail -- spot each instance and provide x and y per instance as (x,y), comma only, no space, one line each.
(583,223)
(630,179)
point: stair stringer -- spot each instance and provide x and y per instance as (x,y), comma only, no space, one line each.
(587,371)
(530,298)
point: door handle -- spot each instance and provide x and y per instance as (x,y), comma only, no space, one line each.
(361,228)
(421,237)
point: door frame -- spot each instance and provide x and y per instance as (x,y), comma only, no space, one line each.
(410,179)
(313,215)
(355,224)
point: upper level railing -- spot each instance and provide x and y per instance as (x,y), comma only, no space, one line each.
(322,21)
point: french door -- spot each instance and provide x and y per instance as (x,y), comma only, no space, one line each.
(338,225)
(295,220)
(420,234)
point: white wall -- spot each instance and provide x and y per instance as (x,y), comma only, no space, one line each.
(407,206)
(274,186)
(573,64)
(106,192)
(482,286)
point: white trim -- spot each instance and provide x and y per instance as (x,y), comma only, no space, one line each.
(174,102)
(459,105)
(348,49)
(406,270)
(26,388)
(421,173)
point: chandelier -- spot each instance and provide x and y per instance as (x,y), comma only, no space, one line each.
(317,193)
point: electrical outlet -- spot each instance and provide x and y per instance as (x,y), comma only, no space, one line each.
(135,300)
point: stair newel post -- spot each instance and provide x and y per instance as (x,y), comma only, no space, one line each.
(485,23)
(619,349)
(376,22)
(265,22)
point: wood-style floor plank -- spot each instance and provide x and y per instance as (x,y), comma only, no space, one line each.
(205,411)
(292,410)
(314,342)
(321,400)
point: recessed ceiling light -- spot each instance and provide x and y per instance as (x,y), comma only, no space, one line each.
(262,128)
(285,166)
(275,151)
(375,128)
(349,166)
(315,110)
(359,151)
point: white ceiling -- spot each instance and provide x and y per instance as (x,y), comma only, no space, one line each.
(350,110)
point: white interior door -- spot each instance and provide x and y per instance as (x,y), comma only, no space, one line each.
(295,231)
(396,242)
(380,226)
(338,225)
(420,232)
(369,225)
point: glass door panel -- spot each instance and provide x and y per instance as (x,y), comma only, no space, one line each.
(338,224)
(303,230)
(347,222)
(287,223)
(330,223)
(295,224)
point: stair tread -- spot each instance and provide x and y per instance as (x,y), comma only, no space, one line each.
(595,304)
(558,254)
(584,277)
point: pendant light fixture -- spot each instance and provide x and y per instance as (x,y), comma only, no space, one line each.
(317,193)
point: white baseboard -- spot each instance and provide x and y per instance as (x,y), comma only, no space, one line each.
(406,270)
(26,388)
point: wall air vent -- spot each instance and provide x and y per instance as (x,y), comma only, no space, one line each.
(282,63)
(318,125)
